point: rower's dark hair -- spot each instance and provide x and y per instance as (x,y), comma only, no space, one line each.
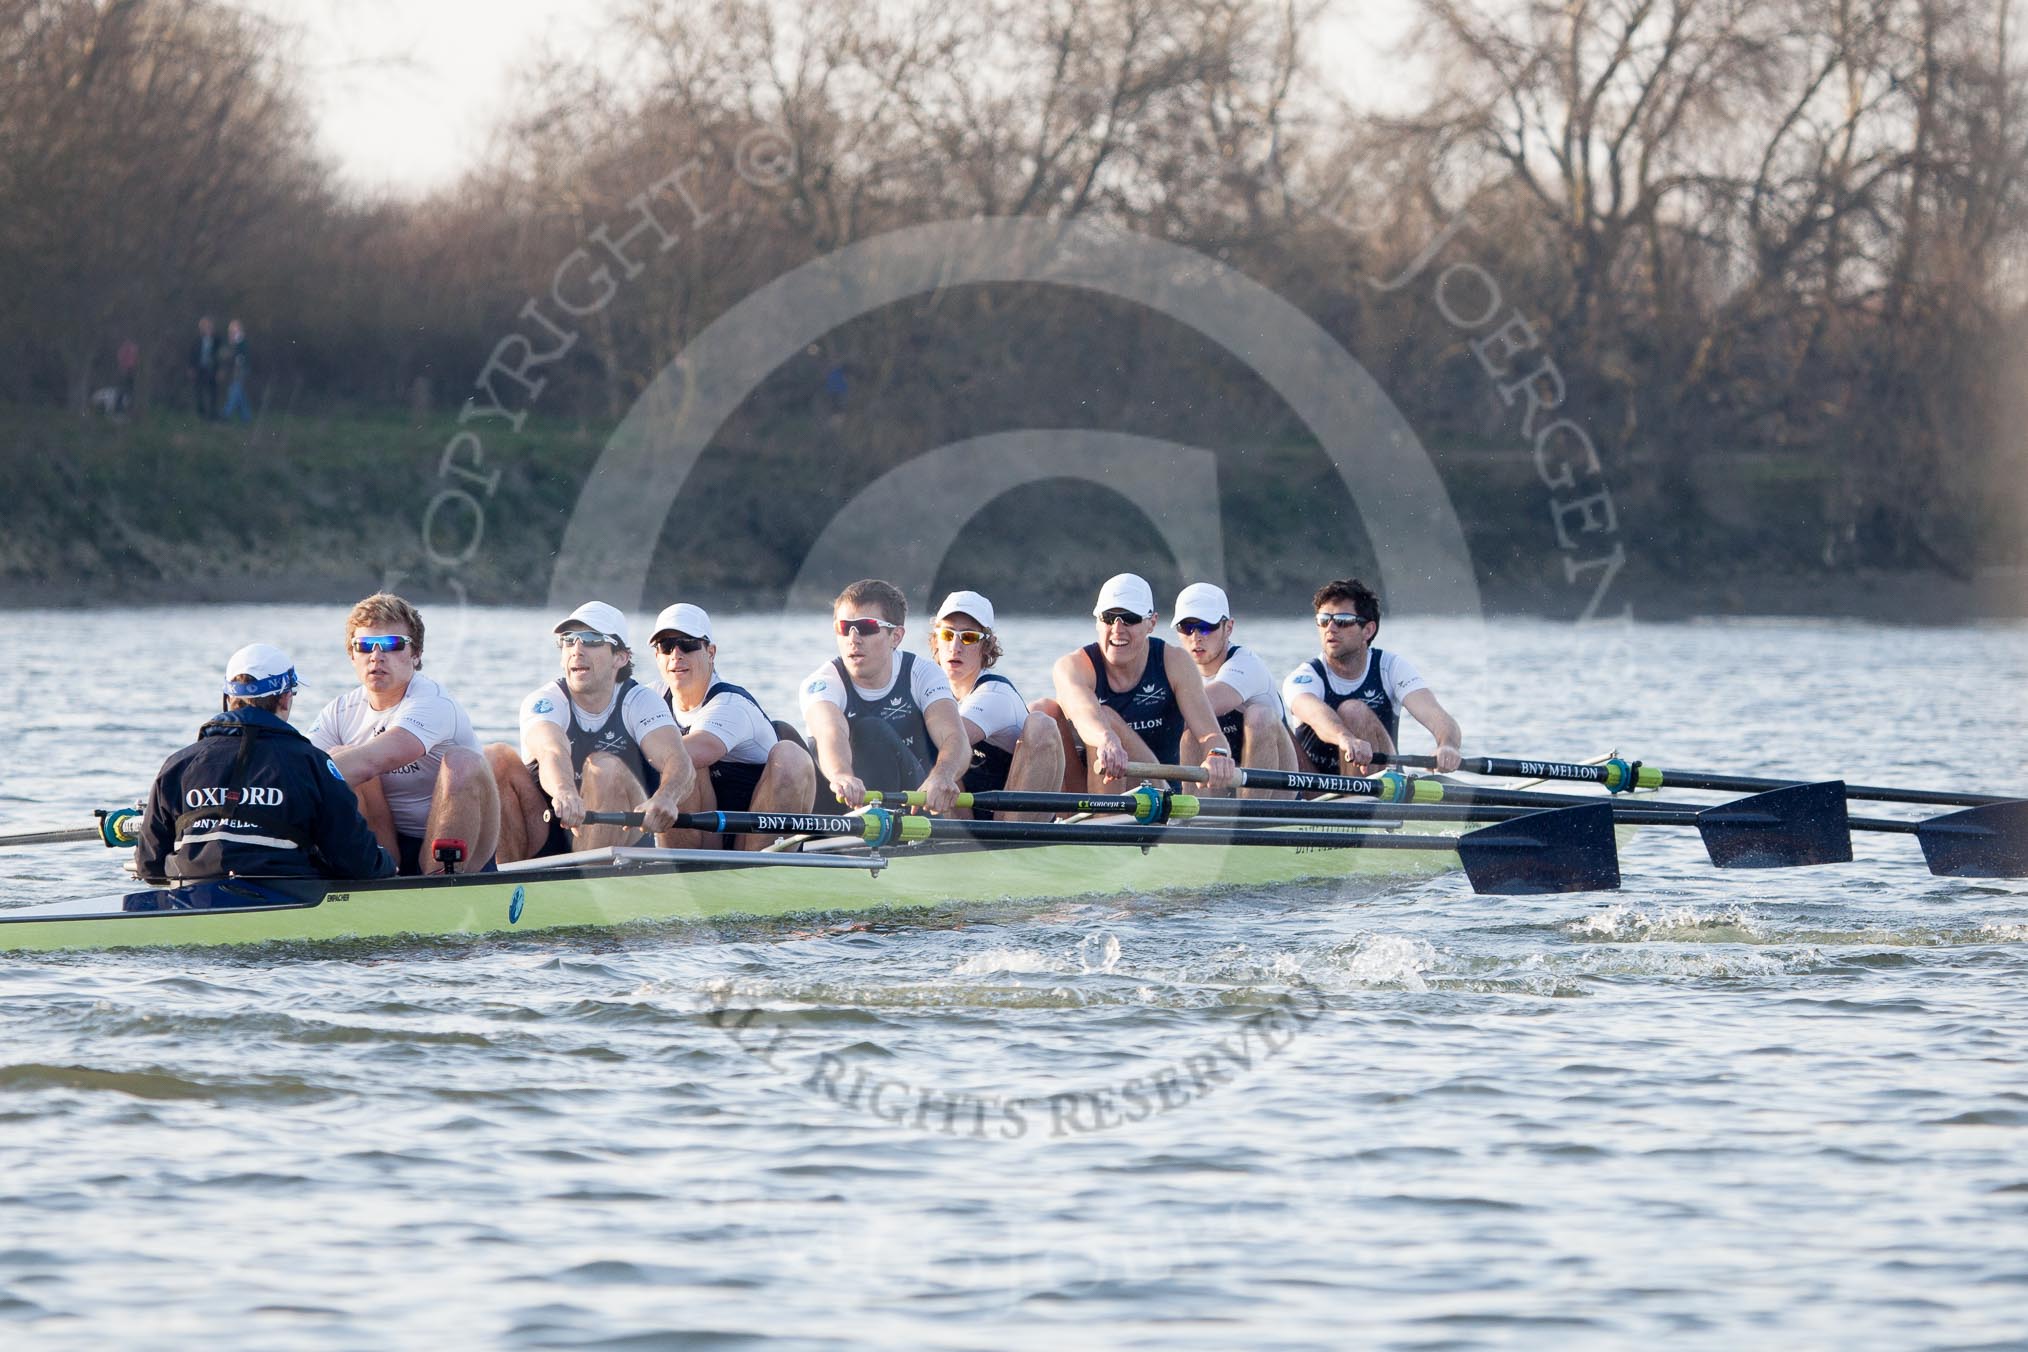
(884,597)
(1349,589)
(382,609)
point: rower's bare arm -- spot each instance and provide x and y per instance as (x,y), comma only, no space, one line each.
(663,748)
(703,748)
(1432,715)
(1358,744)
(1188,683)
(1077,696)
(378,755)
(554,772)
(831,740)
(1224,699)
(954,753)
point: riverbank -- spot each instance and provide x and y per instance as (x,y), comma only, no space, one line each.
(321,510)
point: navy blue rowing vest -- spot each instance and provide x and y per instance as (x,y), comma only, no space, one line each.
(990,763)
(1150,708)
(610,736)
(1370,692)
(712,692)
(897,708)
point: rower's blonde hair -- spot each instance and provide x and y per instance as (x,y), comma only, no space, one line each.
(991,642)
(380,610)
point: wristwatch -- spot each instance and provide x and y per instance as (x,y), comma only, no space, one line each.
(1219,751)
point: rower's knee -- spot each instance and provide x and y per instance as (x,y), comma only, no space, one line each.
(788,783)
(606,784)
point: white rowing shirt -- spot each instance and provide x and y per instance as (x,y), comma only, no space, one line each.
(1398,678)
(425,713)
(735,720)
(997,710)
(643,712)
(1248,677)
(823,686)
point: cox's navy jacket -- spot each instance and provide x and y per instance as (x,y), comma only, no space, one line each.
(251,797)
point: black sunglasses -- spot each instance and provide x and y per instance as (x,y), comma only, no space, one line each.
(676,643)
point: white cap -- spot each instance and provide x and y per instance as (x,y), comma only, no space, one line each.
(1126,591)
(1202,601)
(599,616)
(971,603)
(268,668)
(682,618)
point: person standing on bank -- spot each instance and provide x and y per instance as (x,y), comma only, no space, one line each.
(593,740)
(1346,703)
(406,746)
(1132,697)
(250,798)
(204,354)
(1012,748)
(238,369)
(880,718)
(744,763)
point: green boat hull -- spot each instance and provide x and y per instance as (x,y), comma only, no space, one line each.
(638,888)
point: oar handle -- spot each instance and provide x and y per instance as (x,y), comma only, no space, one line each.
(1190,774)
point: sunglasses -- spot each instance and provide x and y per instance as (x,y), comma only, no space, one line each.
(945,634)
(1192,628)
(863,627)
(1338,619)
(1112,617)
(589,638)
(677,643)
(382,643)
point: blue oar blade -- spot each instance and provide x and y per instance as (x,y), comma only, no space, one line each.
(1568,849)
(1980,842)
(1782,828)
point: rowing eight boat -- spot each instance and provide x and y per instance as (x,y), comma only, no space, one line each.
(618,886)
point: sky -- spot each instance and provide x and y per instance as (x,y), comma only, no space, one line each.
(407,93)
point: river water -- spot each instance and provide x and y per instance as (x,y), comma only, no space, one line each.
(1759,1108)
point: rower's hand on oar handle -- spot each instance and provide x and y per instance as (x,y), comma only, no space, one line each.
(1221,772)
(940,792)
(850,790)
(1448,759)
(1112,758)
(567,809)
(1356,754)
(657,816)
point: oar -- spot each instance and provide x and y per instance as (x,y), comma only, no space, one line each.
(1789,827)
(1619,775)
(1566,850)
(116,828)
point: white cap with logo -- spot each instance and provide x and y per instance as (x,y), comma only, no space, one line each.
(267,668)
(1126,591)
(1202,601)
(685,619)
(600,618)
(969,603)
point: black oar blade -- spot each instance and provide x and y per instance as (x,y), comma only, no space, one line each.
(1980,842)
(1782,828)
(1568,849)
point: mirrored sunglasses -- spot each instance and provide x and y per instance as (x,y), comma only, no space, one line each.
(862,626)
(382,643)
(589,638)
(968,637)
(1192,628)
(1339,619)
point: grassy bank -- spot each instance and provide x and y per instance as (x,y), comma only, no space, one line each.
(323,509)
